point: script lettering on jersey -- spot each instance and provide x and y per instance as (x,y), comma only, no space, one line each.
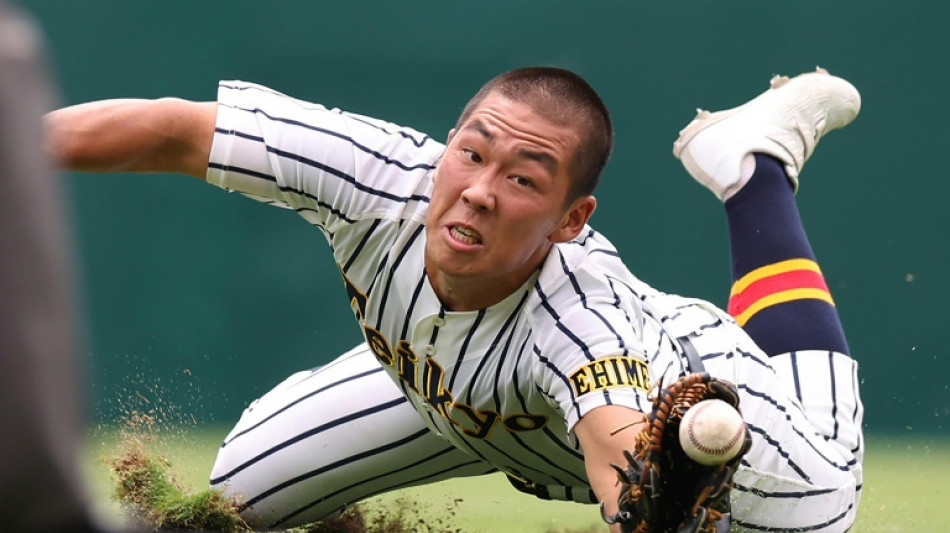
(611,372)
(475,423)
(357,298)
(435,393)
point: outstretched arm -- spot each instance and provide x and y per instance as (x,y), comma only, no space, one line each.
(604,434)
(163,135)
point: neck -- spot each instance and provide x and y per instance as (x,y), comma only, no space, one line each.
(472,294)
(467,294)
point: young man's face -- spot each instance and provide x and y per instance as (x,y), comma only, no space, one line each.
(499,202)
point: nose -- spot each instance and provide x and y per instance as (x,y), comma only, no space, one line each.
(479,193)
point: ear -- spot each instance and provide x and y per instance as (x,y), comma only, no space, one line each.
(574,219)
(451,135)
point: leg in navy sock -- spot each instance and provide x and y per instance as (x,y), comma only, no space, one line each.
(779,295)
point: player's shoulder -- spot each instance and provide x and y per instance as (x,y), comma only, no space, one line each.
(283,110)
(585,267)
(590,253)
(256,97)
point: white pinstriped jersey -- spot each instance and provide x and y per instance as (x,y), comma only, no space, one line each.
(506,384)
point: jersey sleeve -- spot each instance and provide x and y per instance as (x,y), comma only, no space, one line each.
(594,353)
(334,168)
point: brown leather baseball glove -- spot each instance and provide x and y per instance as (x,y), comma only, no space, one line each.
(663,489)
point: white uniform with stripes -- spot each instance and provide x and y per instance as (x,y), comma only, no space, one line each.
(434,394)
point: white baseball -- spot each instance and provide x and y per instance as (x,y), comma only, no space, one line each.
(712,432)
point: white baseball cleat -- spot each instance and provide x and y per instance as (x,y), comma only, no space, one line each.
(785,122)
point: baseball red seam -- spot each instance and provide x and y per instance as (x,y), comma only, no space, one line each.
(706,449)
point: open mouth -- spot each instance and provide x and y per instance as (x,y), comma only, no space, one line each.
(465,235)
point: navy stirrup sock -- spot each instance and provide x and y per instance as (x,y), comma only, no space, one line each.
(779,295)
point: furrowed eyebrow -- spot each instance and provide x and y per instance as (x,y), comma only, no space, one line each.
(546,160)
(480,129)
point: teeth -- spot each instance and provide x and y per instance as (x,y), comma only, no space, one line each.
(465,235)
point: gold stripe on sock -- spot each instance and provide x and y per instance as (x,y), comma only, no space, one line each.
(771,270)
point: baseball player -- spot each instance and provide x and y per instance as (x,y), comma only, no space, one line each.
(502,333)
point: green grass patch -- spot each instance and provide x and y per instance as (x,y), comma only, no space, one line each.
(904,490)
(905,485)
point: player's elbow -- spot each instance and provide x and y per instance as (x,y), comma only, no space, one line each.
(185,131)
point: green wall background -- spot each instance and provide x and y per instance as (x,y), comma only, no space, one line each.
(196,302)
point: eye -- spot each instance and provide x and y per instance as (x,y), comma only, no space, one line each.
(523,181)
(471,155)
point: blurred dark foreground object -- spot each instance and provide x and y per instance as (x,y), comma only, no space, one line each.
(41,489)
